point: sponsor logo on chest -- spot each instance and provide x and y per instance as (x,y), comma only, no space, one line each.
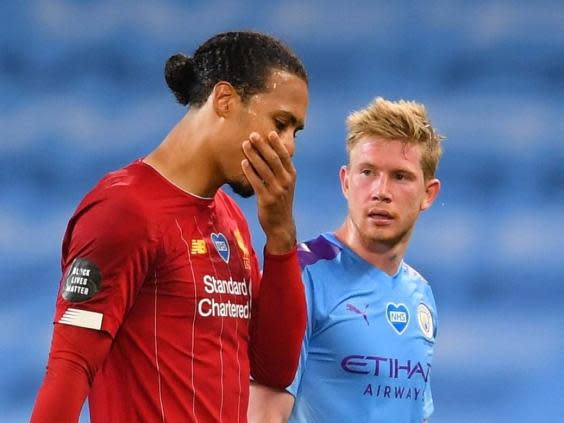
(389,378)
(225,298)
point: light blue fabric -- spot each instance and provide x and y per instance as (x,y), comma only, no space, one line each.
(367,352)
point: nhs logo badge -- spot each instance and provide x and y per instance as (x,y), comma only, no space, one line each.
(398,317)
(221,245)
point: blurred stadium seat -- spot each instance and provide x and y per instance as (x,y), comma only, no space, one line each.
(82,93)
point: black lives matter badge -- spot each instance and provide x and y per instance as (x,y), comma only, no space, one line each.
(82,281)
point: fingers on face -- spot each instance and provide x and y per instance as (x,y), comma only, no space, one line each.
(257,162)
(282,152)
(267,151)
(270,159)
(252,176)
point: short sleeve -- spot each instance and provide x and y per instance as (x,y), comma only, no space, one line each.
(108,251)
(428,406)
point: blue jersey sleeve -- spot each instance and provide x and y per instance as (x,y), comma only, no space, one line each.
(428,406)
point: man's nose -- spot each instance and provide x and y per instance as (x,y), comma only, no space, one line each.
(289,141)
(381,189)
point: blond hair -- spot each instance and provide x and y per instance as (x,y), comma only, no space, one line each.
(402,120)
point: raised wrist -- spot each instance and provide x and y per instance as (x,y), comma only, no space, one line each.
(281,243)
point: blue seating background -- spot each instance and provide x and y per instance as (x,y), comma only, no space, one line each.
(82,93)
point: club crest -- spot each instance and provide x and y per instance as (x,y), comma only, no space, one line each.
(243,248)
(221,245)
(425,319)
(398,317)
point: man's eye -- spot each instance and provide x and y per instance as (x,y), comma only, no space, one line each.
(280,124)
(401,176)
(366,172)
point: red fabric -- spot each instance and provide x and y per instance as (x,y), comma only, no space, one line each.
(276,336)
(179,282)
(76,354)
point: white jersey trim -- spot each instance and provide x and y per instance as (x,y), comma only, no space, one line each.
(82,318)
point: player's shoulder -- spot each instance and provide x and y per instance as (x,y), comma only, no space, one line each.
(413,275)
(131,182)
(317,249)
(123,192)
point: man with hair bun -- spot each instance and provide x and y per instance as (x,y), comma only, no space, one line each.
(372,320)
(162,313)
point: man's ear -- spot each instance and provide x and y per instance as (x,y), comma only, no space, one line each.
(344,177)
(432,188)
(224,98)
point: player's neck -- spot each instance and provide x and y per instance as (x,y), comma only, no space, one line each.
(184,158)
(385,256)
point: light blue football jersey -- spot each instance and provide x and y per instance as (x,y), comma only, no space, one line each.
(367,352)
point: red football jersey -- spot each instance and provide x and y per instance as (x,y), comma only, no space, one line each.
(172,278)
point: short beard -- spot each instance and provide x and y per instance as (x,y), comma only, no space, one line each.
(387,242)
(393,240)
(242,188)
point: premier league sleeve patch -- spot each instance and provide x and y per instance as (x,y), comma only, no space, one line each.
(82,281)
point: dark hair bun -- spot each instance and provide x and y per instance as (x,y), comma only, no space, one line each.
(180,76)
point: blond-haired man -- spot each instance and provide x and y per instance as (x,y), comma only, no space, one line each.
(372,320)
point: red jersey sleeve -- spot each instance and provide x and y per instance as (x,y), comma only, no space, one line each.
(108,252)
(278,322)
(75,357)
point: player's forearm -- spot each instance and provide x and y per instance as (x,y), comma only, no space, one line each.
(62,394)
(278,325)
(76,355)
(268,405)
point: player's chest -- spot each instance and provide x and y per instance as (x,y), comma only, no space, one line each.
(383,335)
(206,260)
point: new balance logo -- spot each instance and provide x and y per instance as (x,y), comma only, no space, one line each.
(199,246)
